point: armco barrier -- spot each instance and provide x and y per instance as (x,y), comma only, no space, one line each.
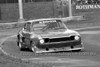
(73,18)
(11,25)
(20,24)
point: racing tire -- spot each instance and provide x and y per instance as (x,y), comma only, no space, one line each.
(76,50)
(20,46)
(18,43)
(33,47)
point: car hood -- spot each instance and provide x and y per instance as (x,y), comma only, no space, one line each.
(54,34)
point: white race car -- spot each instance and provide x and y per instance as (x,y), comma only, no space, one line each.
(48,35)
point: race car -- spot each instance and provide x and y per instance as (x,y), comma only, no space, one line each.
(48,35)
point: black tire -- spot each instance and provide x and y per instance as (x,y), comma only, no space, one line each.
(20,46)
(18,39)
(33,49)
(33,46)
(77,50)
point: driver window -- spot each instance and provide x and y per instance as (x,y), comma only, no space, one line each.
(27,27)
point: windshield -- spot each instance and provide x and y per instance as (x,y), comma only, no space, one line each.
(48,25)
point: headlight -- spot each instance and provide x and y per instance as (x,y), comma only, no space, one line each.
(77,37)
(41,41)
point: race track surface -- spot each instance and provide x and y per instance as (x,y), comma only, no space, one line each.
(88,57)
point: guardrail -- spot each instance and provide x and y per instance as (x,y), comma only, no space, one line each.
(20,24)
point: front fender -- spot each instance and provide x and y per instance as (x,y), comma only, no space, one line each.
(35,41)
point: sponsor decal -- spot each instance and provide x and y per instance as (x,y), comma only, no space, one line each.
(87,6)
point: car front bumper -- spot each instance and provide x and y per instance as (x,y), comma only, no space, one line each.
(59,44)
(77,47)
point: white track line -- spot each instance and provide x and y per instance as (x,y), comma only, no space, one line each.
(4,39)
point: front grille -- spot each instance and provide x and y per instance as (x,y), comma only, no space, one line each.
(49,40)
(59,45)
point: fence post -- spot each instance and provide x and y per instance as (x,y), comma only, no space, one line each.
(70,8)
(20,10)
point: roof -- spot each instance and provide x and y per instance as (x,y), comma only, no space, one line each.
(65,19)
(43,19)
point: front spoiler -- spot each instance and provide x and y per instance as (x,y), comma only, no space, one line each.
(59,49)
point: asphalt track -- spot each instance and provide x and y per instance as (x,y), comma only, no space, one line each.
(89,57)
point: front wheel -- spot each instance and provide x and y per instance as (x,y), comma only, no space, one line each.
(76,50)
(20,46)
(33,48)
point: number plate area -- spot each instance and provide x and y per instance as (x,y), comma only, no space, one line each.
(62,49)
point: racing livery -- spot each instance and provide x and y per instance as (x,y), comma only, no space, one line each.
(48,35)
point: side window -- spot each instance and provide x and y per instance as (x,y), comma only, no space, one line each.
(27,26)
